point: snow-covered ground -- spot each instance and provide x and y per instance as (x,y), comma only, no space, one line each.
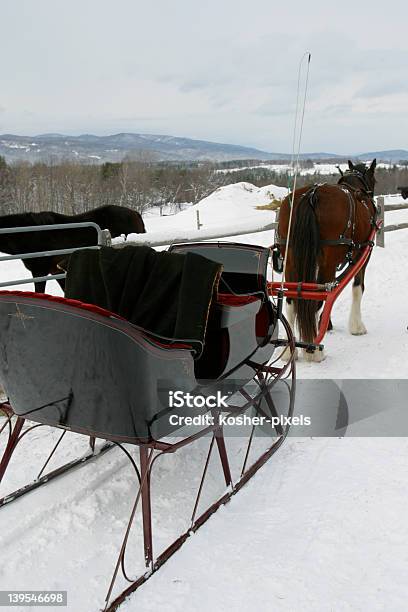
(320,528)
(230,205)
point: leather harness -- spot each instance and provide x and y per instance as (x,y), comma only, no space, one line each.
(352,194)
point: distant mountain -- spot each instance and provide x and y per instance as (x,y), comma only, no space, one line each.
(392,155)
(100,149)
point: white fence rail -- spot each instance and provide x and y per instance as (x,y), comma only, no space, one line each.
(163,238)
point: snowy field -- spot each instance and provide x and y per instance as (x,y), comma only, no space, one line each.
(320,528)
(317,168)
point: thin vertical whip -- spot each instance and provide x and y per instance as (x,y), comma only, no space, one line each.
(292,156)
(295,166)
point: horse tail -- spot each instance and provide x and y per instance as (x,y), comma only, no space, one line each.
(305,249)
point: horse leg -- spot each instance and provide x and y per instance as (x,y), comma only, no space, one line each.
(330,326)
(326,274)
(40,286)
(290,315)
(356,325)
(37,268)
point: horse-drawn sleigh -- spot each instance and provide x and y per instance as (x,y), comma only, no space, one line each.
(84,368)
(85,365)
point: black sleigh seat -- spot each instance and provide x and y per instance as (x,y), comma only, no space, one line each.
(84,368)
(242,320)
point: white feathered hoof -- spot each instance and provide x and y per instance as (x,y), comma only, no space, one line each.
(357,328)
(317,356)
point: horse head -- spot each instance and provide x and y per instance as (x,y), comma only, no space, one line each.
(360,176)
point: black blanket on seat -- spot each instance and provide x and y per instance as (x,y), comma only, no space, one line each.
(168,294)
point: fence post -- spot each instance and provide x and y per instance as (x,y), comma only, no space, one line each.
(105,238)
(380,236)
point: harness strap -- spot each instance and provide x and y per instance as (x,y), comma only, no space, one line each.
(342,240)
(339,241)
(354,200)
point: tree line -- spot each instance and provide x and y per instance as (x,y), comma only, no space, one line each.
(72,188)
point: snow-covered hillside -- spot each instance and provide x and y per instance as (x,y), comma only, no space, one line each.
(320,528)
(225,207)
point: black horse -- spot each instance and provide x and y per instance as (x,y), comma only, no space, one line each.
(117,219)
(404,192)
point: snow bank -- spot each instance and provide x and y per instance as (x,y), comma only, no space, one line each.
(230,204)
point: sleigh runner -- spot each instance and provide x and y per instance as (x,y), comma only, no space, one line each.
(117,378)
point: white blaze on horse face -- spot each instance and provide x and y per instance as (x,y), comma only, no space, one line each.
(356,325)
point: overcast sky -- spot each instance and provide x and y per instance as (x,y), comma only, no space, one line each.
(221,70)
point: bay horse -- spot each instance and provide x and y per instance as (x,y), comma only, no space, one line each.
(330,226)
(117,219)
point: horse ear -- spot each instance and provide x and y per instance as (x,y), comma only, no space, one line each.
(373,165)
(350,165)
(340,170)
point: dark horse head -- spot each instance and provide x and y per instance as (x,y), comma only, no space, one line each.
(359,177)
